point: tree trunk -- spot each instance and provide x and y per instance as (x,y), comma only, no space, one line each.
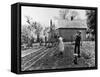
(38,38)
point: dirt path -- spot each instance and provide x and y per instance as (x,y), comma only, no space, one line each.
(52,61)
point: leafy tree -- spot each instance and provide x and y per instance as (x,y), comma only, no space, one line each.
(45,31)
(25,35)
(38,30)
(65,13)
(91,21)
(33,25)
(28,19)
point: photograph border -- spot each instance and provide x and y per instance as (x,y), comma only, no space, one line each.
(19,5)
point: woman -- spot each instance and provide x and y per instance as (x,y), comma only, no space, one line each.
(61,46)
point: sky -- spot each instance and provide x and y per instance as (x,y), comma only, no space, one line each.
(43,14)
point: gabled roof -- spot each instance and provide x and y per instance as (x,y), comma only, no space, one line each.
(71,24)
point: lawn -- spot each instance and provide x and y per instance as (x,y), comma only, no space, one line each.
(52,61)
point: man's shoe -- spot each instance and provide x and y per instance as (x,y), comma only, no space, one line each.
(75,62)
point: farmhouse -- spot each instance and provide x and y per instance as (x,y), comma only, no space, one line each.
(67,28)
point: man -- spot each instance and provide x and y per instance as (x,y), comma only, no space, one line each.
(77,46)
(77,43)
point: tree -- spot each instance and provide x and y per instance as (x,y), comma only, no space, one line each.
(73,14)
(28,19)
(63,13)
(91,21)
(38,30)
(24,34)
(25,31)
(30,28)
(46,29)
(33,25)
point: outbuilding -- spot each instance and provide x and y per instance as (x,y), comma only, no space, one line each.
(68,29)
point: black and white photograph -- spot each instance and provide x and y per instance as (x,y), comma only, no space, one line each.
(57,38)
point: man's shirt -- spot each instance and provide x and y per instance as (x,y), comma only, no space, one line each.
(77,39)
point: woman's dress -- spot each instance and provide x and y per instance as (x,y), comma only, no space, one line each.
(61,44)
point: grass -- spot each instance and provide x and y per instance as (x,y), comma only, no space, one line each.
(53,61)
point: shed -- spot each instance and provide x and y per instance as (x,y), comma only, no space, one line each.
(68,29)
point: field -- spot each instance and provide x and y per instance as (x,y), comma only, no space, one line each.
(39,58)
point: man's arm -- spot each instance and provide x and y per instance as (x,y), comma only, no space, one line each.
(80,41)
